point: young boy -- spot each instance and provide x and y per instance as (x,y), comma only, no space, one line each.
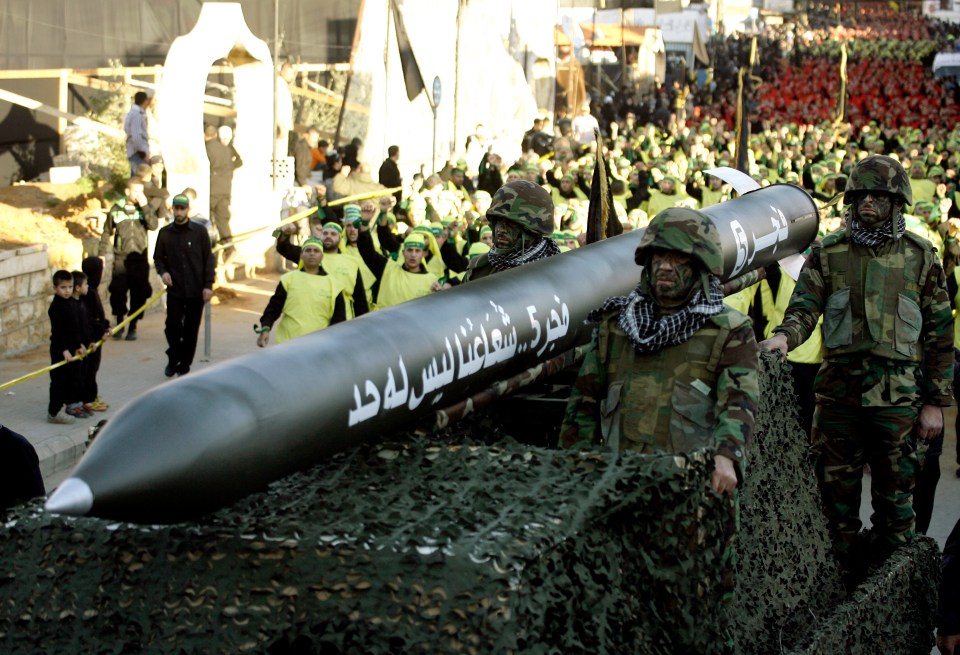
(65,344)
(308,298)
(96,327)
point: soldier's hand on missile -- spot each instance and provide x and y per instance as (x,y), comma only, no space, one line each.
(724,479)
(929,422)
(435,287)
(167,280)
(263,339)
(777,342)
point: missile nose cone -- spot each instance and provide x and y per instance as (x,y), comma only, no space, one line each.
(72,497)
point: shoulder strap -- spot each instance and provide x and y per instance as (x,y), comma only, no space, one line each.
(726,321)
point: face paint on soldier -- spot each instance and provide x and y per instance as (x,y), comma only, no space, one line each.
(874,209)
(507,235)
(672,277)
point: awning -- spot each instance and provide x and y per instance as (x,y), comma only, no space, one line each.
(611,35)
(946,64)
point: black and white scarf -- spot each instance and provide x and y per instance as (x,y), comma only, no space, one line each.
(649,332)
(543,248)
(875,236)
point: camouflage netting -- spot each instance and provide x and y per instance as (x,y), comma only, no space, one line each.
(432,547)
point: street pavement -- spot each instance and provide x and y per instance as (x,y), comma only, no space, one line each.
(131,368)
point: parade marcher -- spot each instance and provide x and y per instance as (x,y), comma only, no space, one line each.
(126,229)
(888,359)
(644,364)
(186,265)
(308,298)
(670,368)
(403,279)
(342,266)
(521,218)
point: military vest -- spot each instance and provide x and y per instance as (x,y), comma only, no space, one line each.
(665,401)
(311,300)
(872,303)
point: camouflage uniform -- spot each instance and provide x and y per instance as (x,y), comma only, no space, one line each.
(887,330)
(700,393)
(521,202)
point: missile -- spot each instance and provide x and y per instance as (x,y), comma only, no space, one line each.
(200,442)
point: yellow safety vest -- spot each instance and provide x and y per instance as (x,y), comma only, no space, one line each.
(400,285)
(344,268)
(311,300)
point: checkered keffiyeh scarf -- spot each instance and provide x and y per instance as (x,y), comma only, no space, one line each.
(650,333)
(875,236)
(543,248)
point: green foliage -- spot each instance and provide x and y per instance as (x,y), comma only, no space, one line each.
(101,155)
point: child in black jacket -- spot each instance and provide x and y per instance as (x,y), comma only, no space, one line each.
(65,344)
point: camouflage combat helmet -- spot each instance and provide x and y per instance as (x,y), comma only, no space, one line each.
(683,230)
(526,204)
(879,173)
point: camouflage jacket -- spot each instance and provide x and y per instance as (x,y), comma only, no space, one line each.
(888,337)
(700,393)
(127,232)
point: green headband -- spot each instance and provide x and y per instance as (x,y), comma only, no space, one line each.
(332,226)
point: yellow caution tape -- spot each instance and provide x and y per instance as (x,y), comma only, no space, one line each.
(120,326)
(243,236)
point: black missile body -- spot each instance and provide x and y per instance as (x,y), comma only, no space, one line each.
(203,441)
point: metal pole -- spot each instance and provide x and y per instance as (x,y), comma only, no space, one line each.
(207,332)
(276,39)
(433,152)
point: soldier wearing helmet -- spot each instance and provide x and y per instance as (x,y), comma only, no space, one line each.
(888,359)
(521,217)
(670,368)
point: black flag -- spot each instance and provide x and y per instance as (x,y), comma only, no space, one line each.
(602,220)
(412,78)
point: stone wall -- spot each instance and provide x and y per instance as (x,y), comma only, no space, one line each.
(24,296)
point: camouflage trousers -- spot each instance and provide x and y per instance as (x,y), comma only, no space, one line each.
(844,439)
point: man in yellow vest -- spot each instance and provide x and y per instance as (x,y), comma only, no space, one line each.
(347,269)
(308,298)
(399,280)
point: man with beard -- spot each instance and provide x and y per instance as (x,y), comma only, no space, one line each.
(521,217)
(185,263)
(888,360)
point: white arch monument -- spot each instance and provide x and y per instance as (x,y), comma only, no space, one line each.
(222,33)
